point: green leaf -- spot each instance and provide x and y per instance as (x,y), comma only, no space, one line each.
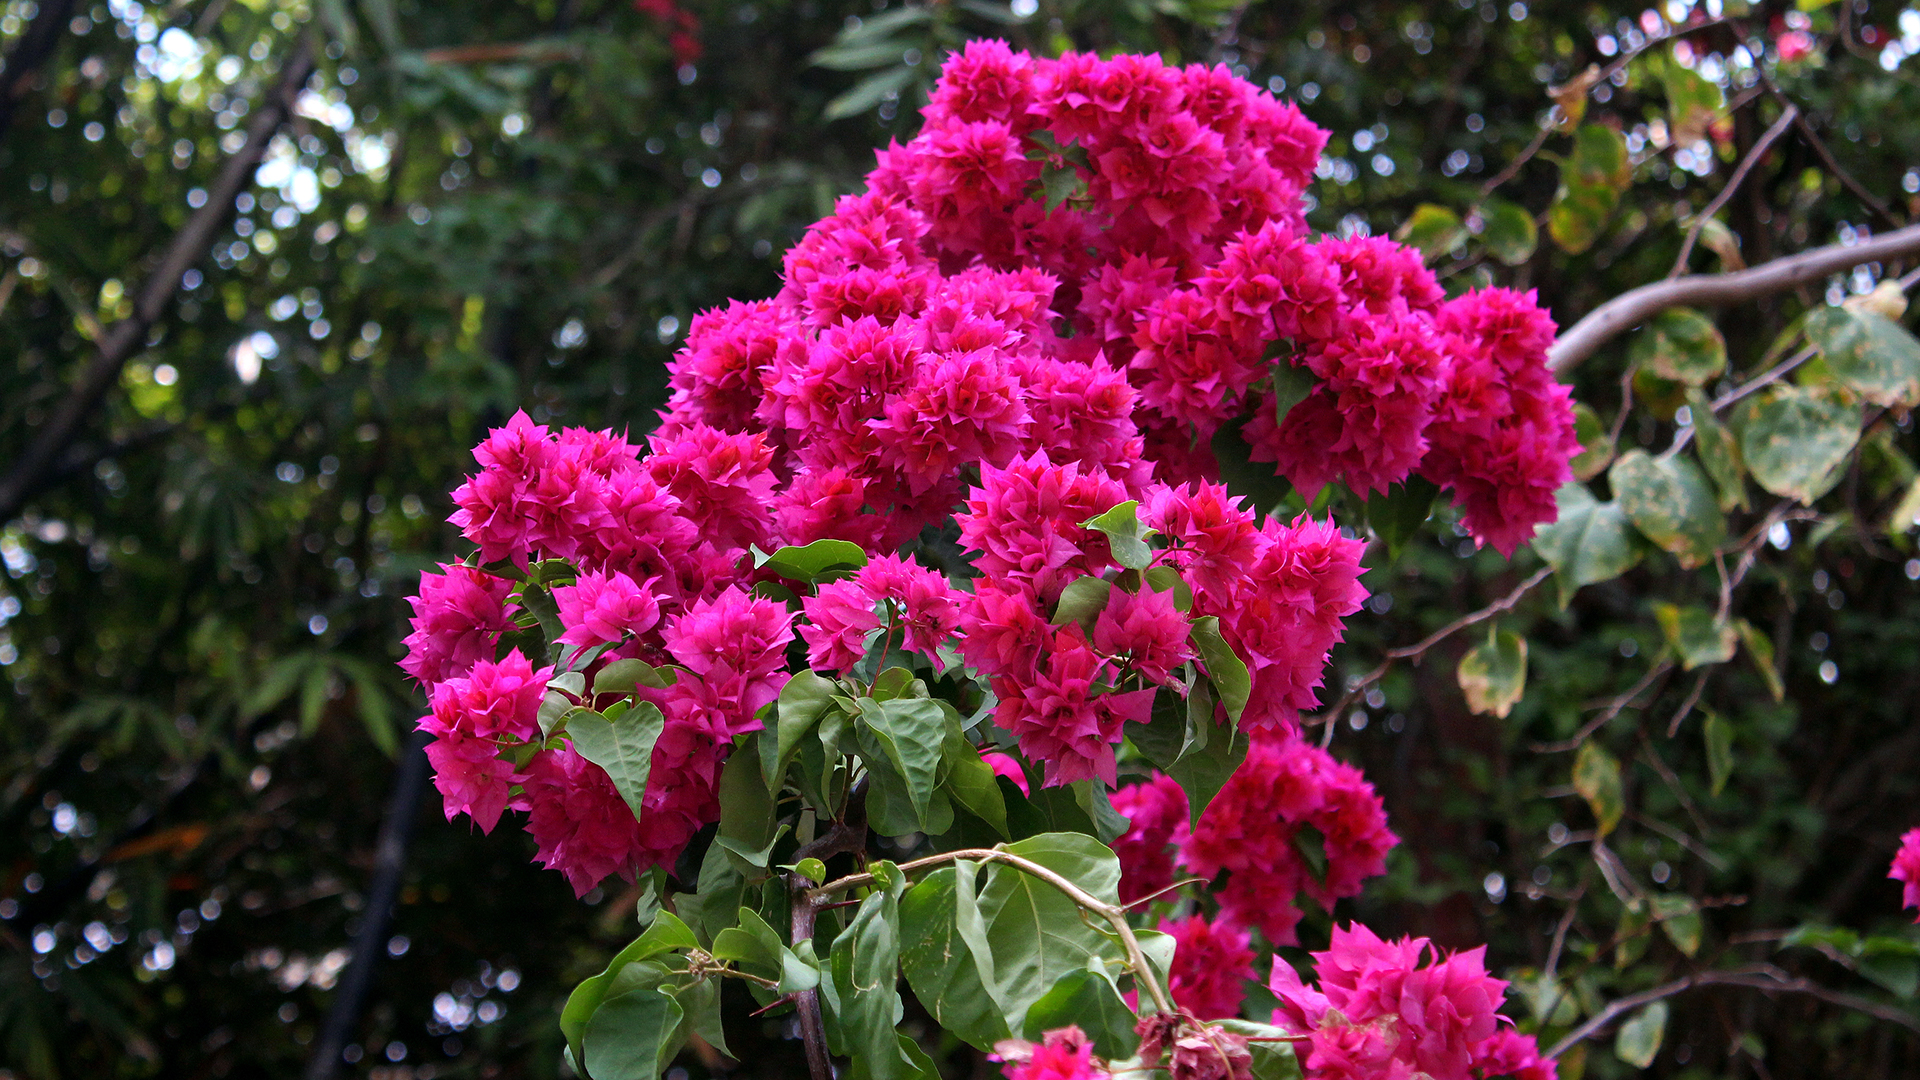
(1892,962)
(717,894)
(868,92)
(1591,180)
(1255,481)
(1125,535)
(1696,635)
(1796,441)
(539,602)
(909,734)
(1061,183)
(1596,776)
(865,963)
(1869,353)
(1719,453)
(1718,735)
(1292,382)
(1670,501)
(700,1005)
(1203,770)
(623,747)
(1162,578)
(1433,229)
(1108,824)
(1596,443)
(1089,999)
(1508,231)
(803,700)
(1679,919)
(621,676)
(1493,674)
(748,828)
(1227,671)
(1273,1057)
(1036,934)
(1760,647)
(1590,542)
(758,949)
(1638,1041)
(971,783)
(635,1032)
(666,934)
(1082,601)
(1395,515)
(1682,345)
(946,956)
(818,560)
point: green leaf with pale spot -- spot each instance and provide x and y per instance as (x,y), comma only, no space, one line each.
(1696,635)
(1869,353)
(1638,1041)
(1679,919)
(1596,443)
(1591,180)
(1671,502)
(1596,776)
(1493,674)
(1796,441)
(1680,344)
(1590,542)
(1719,453)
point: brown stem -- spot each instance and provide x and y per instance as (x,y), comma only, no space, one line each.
(813,1026)
(1635,306)
(1413,651)
(1763,977)
(1746,165)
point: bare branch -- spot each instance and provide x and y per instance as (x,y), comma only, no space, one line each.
(1413,651)
(1631,308)
(1746,165)
(1763,977)
(28,474)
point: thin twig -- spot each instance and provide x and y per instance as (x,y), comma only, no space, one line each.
(1635,306)
(1503,604)
(1867,198)
(1560,934)
(1672,780)
(1686,707)
(1746,165)
(1763,977)
(1681,837)
(1614,707)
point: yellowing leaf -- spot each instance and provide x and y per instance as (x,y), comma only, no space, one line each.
(1596,776)
(1493,674)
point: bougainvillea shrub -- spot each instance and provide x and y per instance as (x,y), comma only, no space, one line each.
(926,628)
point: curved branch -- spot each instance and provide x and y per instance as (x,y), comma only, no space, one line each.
(1631,308)
(1765,977)
(28,475)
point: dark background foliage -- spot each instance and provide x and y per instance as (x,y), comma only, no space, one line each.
(480,207)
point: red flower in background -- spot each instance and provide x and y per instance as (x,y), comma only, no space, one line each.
(681,26)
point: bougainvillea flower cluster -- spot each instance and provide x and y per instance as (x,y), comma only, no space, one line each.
(1906,870)
(1253,832)
(1026,333)
(1400,1009)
